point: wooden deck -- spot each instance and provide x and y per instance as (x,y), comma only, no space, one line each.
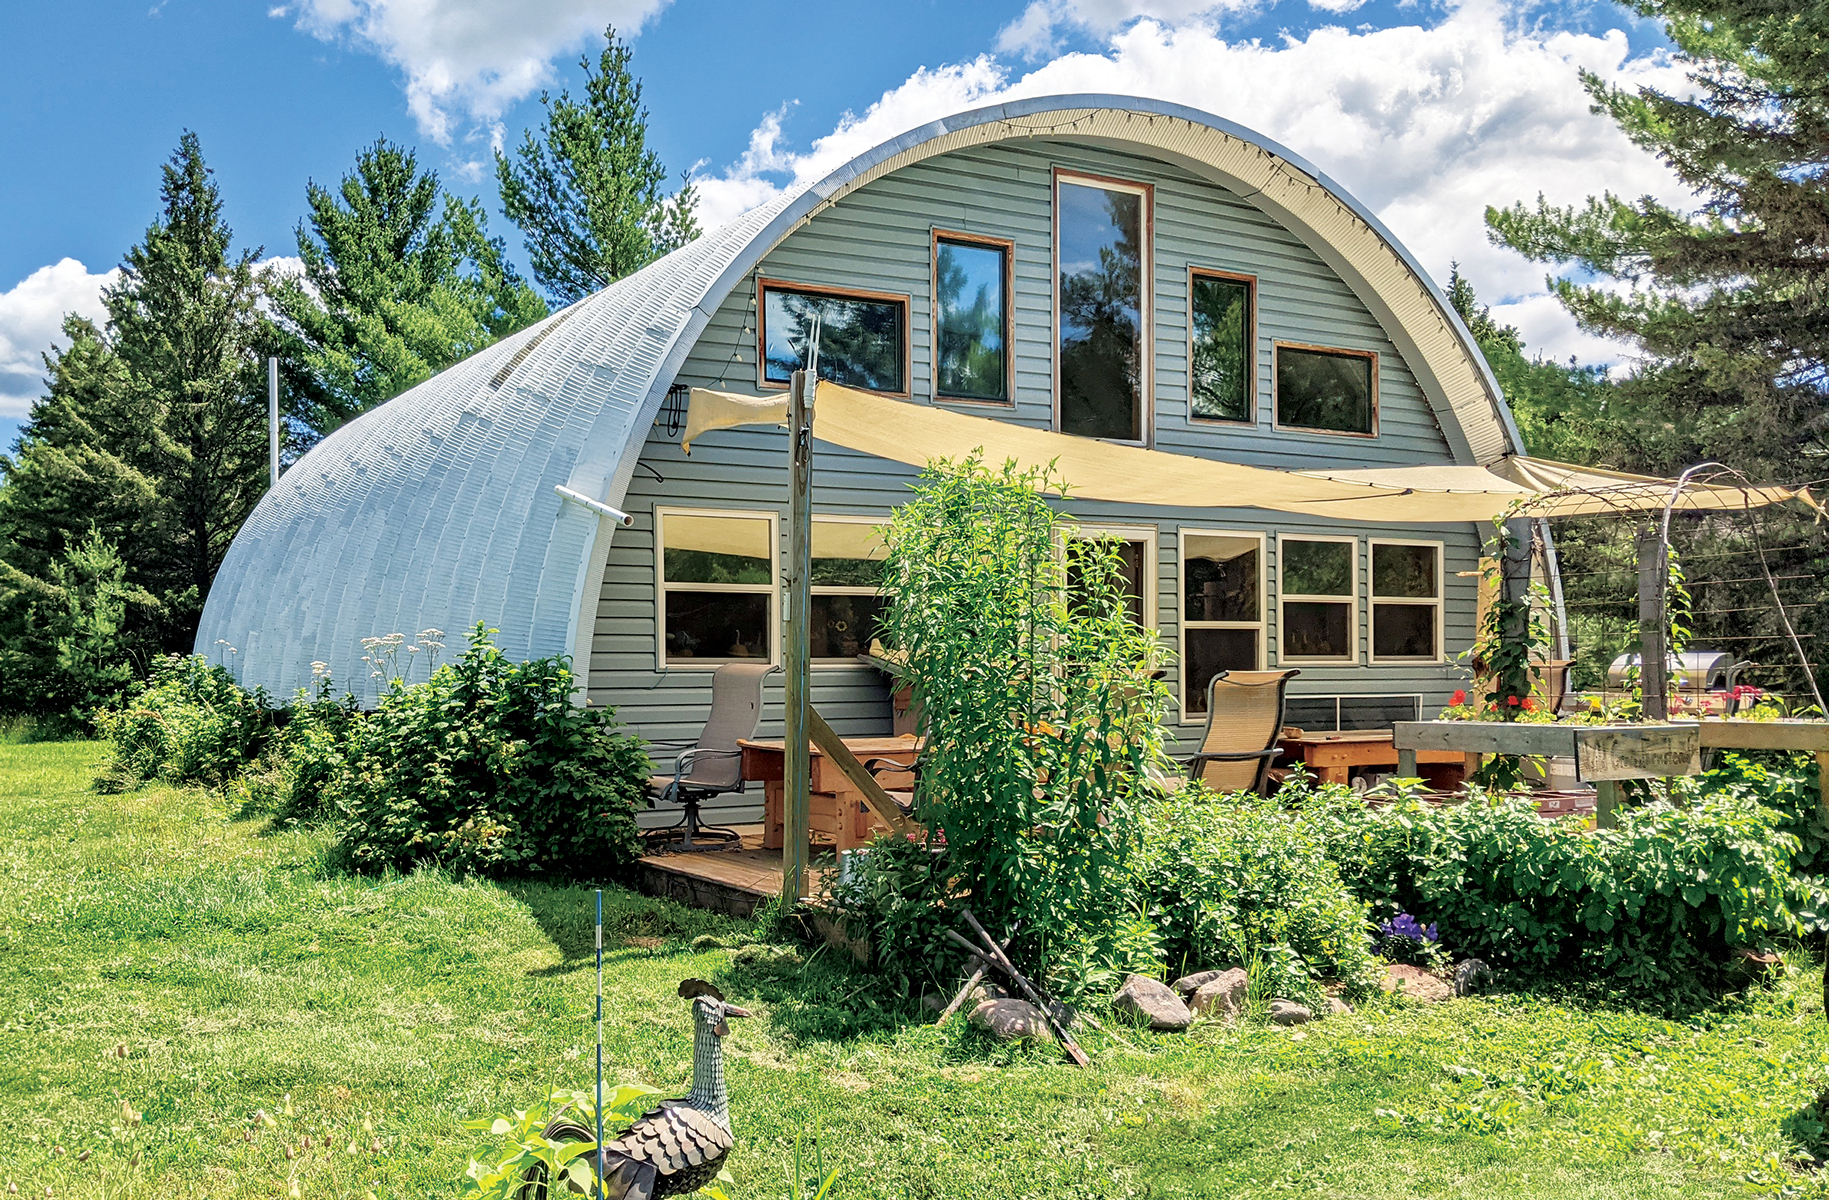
(726,881)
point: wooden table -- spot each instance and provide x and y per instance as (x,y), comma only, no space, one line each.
(1332,756)
(835,808)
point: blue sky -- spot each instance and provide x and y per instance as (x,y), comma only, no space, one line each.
(1425,111)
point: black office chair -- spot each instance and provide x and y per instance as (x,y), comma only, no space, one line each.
(713,764)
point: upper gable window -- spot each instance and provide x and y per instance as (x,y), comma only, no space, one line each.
(971,318)
(863,336)
(1101,231)
(1334,391)
(1221,379)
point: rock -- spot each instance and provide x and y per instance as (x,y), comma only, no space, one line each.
(1187,985)
(1336,1007)
(1758,966)
(933,1002)
(986,990)
(1414,982)
(1288,1012)
(1008,1020)
(1153,1001)
(1222,996)
(1473,978)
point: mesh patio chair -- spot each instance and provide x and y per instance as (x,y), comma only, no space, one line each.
(712,765)
(1244,717)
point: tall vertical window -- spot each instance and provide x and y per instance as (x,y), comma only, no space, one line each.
(863,336)
(1221,363)
(717,581)
(847,568)
(1333,391)
(1317,596)
(1222,610)
(1136,547)
(971,318)
(1101,232)
(1406,601)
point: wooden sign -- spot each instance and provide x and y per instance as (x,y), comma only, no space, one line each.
(1637,751)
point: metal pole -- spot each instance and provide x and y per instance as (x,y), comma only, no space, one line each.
(273,419)
(799,600)
(599,1108)
(1653,653)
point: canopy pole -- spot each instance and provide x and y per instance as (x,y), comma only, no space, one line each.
(1653,623)
(798,768)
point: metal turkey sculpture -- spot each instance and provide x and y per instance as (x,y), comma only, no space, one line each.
(677,1147)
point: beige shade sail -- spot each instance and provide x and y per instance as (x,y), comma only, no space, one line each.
(917,434)
(848,539)
(741,537)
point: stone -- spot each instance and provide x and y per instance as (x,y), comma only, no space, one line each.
(1187,985)
(1010,1020)
(1222,996)
(1415,983)
(933,1002)
(1755,965)
(1153,1001)
(1473,978)
(1288,1012)
(1336,1007)
(986,990)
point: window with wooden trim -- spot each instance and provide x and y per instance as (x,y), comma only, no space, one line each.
(1327,390)
(1102,314)
(1136,546)
(1222,359)
(972,318)
(863,336)
(717,578)
(1318,599)
(848,555)
(1406,601)
(1222,609)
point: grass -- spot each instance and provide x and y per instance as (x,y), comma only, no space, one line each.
(232,970)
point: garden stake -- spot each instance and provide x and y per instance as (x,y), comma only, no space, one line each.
(976,978)
(599,1171)
(1035,995)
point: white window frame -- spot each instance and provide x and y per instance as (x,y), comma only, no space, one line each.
(1373,599)
(1149,535)
(1146,301)
(662,587)
(1262,624)
(841,589)
(1352,658)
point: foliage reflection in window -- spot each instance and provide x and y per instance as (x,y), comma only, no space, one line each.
(1134,552)
(847,569)
(1330,390)
(1222,610)
(1221,359)
(861,338)
(1100,232)
(717,586)
(971,331)
(1318,599)
(1406,600)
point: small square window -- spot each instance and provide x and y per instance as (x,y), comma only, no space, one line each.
(1318,599)
(847,607)
(1406,601)
(1221,374)
(971,319)
(717,585)
(1333,391)
(863,338)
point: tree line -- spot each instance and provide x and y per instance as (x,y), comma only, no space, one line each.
(149,446)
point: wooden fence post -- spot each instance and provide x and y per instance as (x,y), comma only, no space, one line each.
(798,768)
(1653,624)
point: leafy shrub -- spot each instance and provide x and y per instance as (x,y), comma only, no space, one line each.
(1660,900)
(490,766)
(1229,880)
(1042,719)
(1785,783)
(192,724)
(295,780)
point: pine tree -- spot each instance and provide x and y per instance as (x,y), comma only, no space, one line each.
(401,279)
(1729,304)
(586,193)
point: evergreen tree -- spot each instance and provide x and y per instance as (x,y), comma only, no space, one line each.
(586,193)
(401,279)
(1730,304)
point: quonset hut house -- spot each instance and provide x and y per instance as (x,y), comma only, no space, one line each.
(1104,267)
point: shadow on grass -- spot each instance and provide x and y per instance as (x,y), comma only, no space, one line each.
(568,916)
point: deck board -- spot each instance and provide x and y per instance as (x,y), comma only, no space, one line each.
(728,881)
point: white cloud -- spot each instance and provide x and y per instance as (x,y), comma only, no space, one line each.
(31,324)
(1037,32)
(1425,126)
(1337,6)
(468,58)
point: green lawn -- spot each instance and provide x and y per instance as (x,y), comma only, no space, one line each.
(236,969)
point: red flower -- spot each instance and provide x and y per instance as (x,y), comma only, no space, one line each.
(1459,697)
(1530,705)
(1512,701)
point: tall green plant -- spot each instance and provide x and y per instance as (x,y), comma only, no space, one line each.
(1043,722)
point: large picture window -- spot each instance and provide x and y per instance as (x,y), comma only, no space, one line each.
(863,336)
(1317,597)
(1333,391)
(1406,601)
(717,582)
(1222,609)
(1221,361)
(971,318)
(1101,231)
(1136,548)
(847,569)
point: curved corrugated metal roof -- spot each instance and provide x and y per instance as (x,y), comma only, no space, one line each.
(437,508)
